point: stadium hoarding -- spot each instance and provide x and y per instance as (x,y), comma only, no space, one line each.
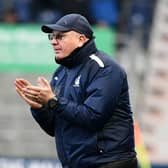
(8,162)
(25,48)
(20,162)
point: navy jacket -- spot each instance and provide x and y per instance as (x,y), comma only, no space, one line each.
(92,123)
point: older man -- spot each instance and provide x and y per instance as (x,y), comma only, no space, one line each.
(86,105)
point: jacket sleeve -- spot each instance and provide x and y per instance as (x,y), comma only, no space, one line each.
(45,119)
(100,103)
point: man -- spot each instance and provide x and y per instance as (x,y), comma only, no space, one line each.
(86,104)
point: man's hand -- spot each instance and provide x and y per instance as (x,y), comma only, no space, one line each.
(46,92)
(21,85)
(40,93)
(35,96)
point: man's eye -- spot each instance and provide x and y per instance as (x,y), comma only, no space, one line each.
(59,36)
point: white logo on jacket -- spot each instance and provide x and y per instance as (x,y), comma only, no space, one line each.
(77,81)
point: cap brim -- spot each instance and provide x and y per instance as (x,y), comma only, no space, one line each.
(49,28)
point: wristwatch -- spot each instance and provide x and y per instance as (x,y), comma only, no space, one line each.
(52,103)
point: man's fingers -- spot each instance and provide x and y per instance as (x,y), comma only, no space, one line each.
(23,82)
(43,82)
(33,102)
(19,92)
(33,94)
(30,95)
(33,88)
(18,86)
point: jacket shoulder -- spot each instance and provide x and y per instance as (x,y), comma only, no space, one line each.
(101,60)
(100,64)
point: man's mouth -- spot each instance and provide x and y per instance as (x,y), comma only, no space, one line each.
(57,51)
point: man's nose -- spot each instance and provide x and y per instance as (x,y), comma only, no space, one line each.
(54,41)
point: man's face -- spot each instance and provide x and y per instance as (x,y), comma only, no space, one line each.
(65,42)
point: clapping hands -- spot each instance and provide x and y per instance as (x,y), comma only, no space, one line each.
(35,96)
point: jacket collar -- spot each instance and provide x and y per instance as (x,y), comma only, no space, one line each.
(79,55)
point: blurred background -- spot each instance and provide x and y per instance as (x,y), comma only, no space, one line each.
(134,32)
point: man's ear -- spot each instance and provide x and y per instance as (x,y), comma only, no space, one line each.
(82,40)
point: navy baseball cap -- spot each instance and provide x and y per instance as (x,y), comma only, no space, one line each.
(75,22)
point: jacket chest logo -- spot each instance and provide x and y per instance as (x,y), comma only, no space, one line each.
(77,81)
